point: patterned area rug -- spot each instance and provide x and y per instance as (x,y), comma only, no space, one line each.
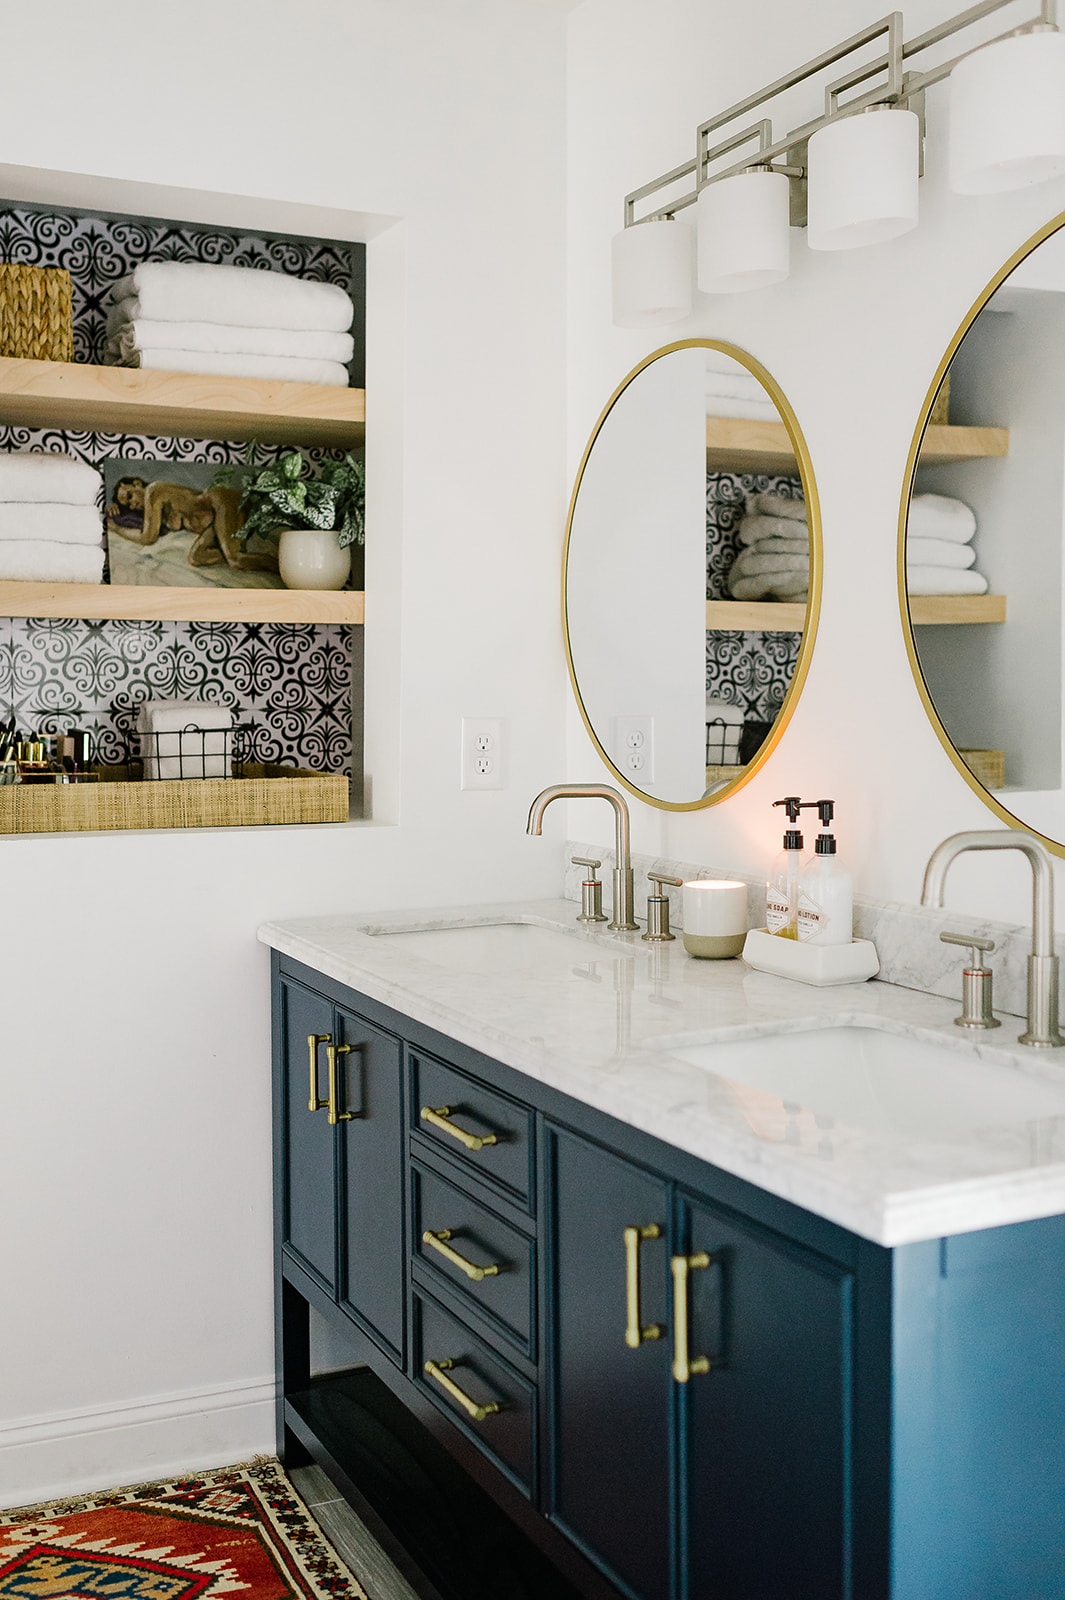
(242,1531)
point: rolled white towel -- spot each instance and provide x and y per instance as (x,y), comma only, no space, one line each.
(776,505)
(735,386)
(173,744)
(943,580)
(41,561)
(770,586)
(778,547)
(284,369)
(748,563)
(196,291)
(752,530)
(130,334)
(59,524)
(938,516)
(749,410)
(939,553)
(35,475)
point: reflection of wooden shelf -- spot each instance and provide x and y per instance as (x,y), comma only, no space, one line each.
(736,445)
(144,603)
(60,394)
(763,616)
(946,608)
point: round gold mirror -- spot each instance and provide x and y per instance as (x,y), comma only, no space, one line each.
(691,574)
(981,529)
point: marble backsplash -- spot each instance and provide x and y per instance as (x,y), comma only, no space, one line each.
(906,936)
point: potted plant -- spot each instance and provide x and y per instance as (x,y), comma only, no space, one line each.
(320,516)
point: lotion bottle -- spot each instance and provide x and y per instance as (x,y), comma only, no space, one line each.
(782,883)
(825,911)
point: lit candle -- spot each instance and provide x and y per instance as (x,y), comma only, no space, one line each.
(715,917)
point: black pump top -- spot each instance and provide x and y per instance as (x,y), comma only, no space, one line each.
(793,839)
(826,810)
(792,805)
(826,845)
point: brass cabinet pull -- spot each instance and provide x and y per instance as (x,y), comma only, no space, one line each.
(635,1333)
(313,1041)
(439,1370)
(685,1366)
(435,1241)
(438,1116)
(331,1053)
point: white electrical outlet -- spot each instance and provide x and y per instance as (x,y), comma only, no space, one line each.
(484,753)
(634,747)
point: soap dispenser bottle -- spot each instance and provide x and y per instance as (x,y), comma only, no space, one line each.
(825,912)
(782,884)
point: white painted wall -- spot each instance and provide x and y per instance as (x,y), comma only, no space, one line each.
(854,339)
(135,1327)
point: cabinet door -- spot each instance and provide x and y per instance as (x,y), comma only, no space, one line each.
(764,1430)
(308,1226)
(370,1089)
(610,1403)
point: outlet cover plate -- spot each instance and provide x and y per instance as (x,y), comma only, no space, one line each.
(484,753)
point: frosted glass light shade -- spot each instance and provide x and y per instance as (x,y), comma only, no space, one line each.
(742,231)
(1007,114)
(652,273)
(863,177)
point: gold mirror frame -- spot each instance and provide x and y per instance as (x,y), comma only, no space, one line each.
(813,603)
(912,460)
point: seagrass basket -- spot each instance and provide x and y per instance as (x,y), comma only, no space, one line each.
(36,319)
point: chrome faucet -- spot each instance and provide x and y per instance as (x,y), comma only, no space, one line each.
(1042,1031)
(624,896)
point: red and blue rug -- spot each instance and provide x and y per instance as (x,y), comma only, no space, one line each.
(242,1531)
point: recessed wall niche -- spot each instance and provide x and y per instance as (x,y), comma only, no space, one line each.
(292,681)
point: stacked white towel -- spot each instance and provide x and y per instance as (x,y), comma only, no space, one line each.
(732,391)
(939,552)
(191,316)
(774,563)
(174,743)
(50,526)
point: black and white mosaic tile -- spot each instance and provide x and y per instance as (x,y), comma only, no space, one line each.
(292,682)
(747,669)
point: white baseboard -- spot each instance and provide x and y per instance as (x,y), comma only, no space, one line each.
(66,1453)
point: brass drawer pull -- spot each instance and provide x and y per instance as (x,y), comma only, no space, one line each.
(331,1053)
(635,1333)
(313,1041)
(685,1366)
(439,1370)
(438,1116)
(435,1241)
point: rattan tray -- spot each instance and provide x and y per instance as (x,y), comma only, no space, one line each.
(265,794)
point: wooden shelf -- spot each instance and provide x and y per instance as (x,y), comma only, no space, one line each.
(762,616)
(928,609)
(146,604)
(735,445)
(60,394)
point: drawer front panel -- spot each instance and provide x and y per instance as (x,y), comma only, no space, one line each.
(483,1240)
(462,1114)
(506,1435)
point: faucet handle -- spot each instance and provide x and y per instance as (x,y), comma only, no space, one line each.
(976,1009)
(658,907)
(591,890)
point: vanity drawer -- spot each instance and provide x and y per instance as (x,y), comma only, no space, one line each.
(485,1131)
(506,1298)
(468,1380)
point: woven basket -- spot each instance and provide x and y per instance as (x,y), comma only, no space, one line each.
(36,320)
(987,766)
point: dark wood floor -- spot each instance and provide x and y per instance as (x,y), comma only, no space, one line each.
(349,1537)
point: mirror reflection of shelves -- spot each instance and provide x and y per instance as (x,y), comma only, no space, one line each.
(737,445)
(782,616)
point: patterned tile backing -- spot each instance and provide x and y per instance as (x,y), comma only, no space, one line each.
(293,682)
(748,669)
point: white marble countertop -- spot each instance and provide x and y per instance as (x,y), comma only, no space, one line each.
(597,1017)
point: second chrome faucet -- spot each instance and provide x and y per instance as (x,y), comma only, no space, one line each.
(623,919)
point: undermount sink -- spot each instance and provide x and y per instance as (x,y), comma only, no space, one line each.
(513,947)
(885,1084)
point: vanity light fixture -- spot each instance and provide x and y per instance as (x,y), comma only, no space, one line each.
(852,173)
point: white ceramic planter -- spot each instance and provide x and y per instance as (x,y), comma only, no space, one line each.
(310,558)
